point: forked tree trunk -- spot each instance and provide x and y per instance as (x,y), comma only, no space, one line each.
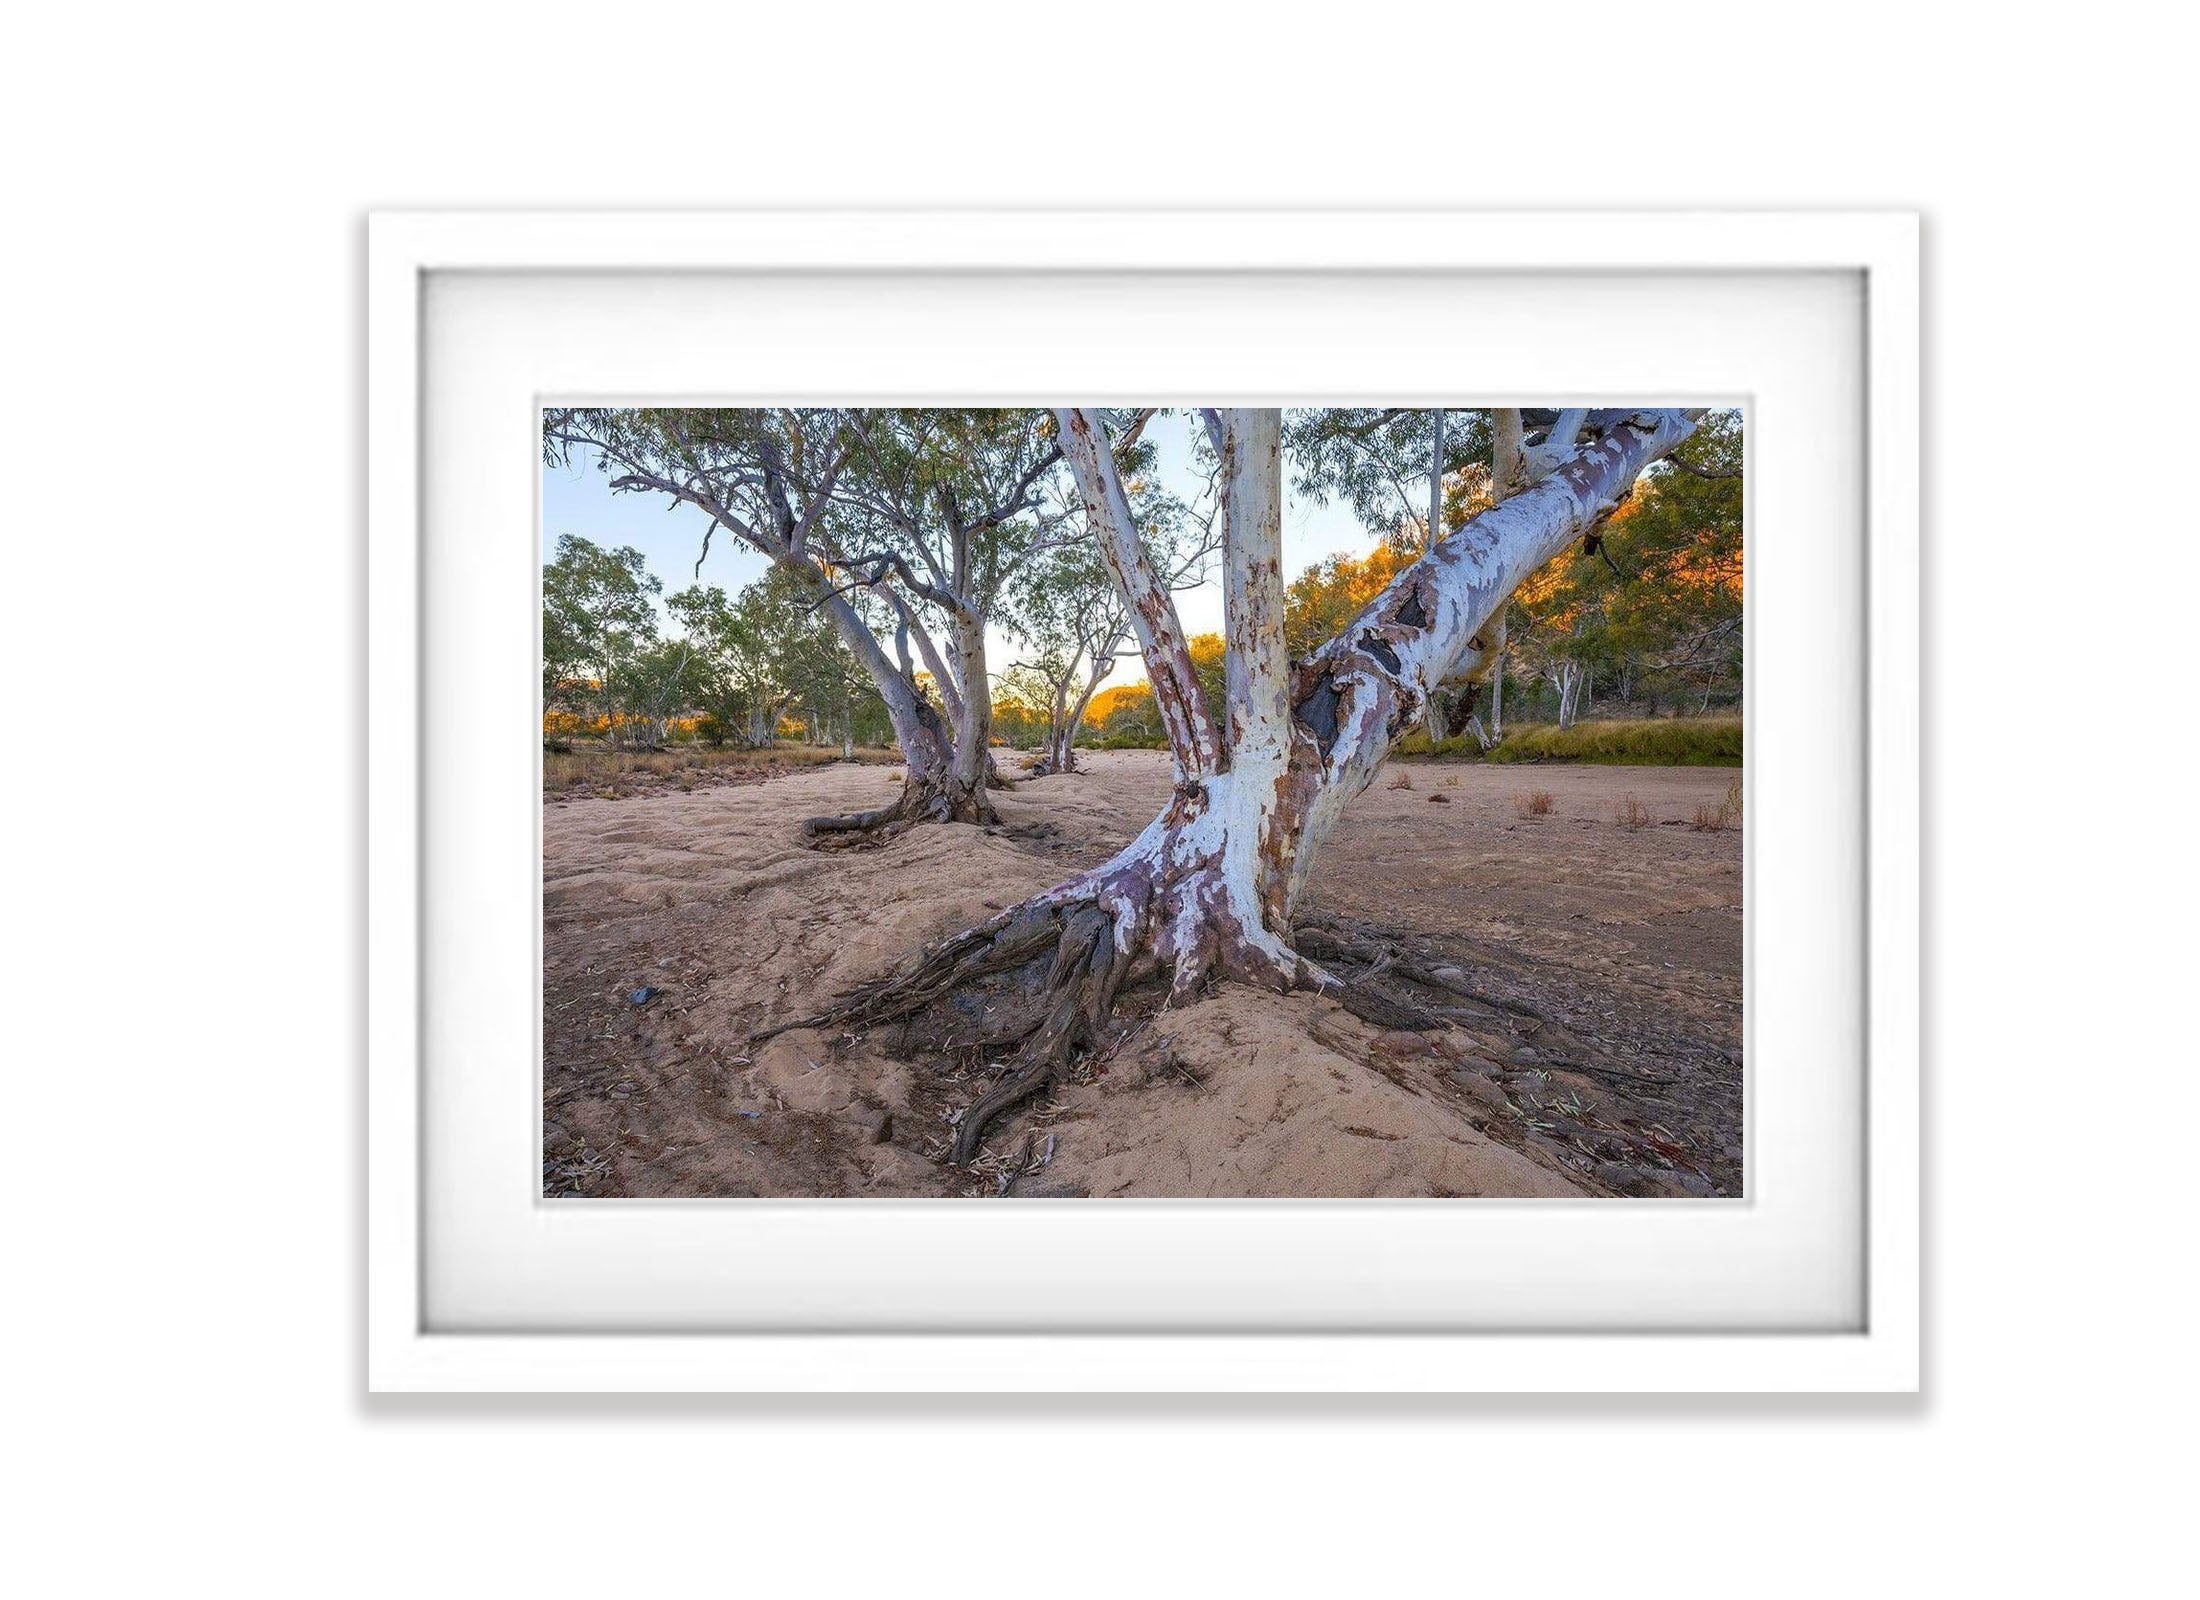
(934,789)
(1207,889)
(1102,663)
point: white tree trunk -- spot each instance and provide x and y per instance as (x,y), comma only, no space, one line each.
(1213,878)
(1566,679)
(1371,683)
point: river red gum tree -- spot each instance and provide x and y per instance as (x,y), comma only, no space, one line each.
(925,512)
(1206,891)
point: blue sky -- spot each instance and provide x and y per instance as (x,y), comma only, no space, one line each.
(578,499)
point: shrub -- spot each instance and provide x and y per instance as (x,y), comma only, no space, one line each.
(1633,813)
(1662,742)
(1535,803)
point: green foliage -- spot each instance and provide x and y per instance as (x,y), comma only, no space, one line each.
(1637,742)
(1656,616)
(1375,459)
(959,493)
(766,651)
(599,621)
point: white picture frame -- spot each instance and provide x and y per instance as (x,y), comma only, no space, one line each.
(408,1350)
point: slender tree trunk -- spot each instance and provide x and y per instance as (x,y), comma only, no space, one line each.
(1436,485)
(1057,753)
(1101,665)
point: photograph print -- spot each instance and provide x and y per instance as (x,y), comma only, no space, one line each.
(1081,803)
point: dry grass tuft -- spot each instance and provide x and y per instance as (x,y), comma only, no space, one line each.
(1535,803)
(1402,780)
(1632,813)
(1726,814)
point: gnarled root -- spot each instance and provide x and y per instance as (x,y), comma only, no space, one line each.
(1071,1004)
(1046,972)
(1080,992)
(920,800)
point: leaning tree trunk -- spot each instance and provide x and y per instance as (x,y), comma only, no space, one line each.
(1207,889)
(928,792)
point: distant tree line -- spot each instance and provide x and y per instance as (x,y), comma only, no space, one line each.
(737,670)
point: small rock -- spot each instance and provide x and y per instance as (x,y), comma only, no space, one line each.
(877,1125)
(643,995)
(1448,974)
(1398,1042)
(1526,1055)
(1050,1191)
(1694,1184)
(1439,799)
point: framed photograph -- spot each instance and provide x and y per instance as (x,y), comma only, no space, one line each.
(1115,801)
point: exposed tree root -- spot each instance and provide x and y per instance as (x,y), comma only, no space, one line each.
(1370,1004)
(1045,973)
(1329,940)
(1054,1012)
(920,800)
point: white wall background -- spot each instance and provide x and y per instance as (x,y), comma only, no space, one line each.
(183,503)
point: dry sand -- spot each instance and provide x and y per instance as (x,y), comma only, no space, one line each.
(1608,1063)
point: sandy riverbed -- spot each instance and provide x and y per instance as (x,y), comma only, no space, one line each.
(1608,1062)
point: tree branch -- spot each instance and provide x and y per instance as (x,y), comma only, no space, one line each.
(1161,640)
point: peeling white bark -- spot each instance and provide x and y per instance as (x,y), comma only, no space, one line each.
(1372,682)
(1153,617)
(1257,669)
